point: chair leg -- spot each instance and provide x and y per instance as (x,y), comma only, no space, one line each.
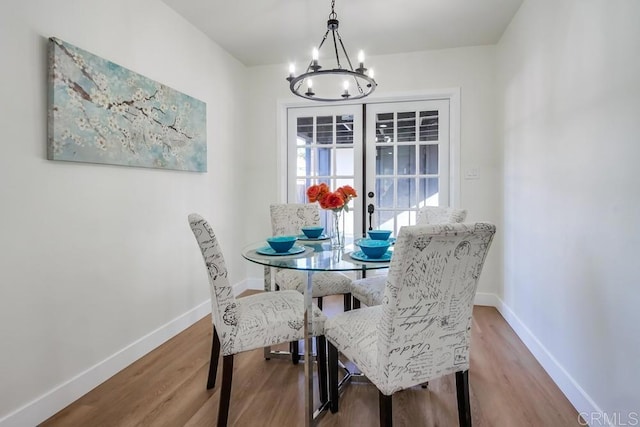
(321,346)
(225,393)
(347,302)
(356,303)
(213,363)
(295,352)
(386,412)
(333,378)
(464,404)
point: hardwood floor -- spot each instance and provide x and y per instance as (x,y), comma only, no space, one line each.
(168,388)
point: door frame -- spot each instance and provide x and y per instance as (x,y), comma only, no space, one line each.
(452,94)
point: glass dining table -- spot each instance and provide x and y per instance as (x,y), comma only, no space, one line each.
(313,256)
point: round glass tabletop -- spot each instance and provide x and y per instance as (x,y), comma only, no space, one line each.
(316,256)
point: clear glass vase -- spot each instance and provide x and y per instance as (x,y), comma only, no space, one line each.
(337,234)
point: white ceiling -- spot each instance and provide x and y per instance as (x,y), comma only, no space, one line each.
(260,32)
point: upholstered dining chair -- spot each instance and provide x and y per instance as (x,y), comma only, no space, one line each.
(369,290)
(251,322)
(288,219)
(422,329)
(440,215)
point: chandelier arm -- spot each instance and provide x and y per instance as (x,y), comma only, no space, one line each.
(335,47)
(360,90)
(344,50)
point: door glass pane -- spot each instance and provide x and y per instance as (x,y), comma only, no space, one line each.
(384,191)
(404,218)
(428,159)
(304,130)
(304,161)
(406,160)
(406,193)
(384,160)
(384,127)
(325,130)
(383,220)
(428,125)
(344,129)
(407,126)
(428,192)
(301,190)
(324,161)
(344,161)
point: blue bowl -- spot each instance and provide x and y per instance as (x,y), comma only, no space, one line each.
(281,243)
(313,231)
(374,248)
(379,234)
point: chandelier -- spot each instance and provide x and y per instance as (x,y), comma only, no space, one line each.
(327,81)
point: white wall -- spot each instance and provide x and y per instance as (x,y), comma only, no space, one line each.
(94,257)
(569,83)
(470,69)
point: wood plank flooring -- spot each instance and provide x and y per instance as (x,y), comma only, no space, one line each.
(167,387)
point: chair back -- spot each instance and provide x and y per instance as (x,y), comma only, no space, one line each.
(440,215)
(224,310)
(288,218)
(425,328)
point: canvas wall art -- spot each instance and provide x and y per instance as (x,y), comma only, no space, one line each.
(100,112)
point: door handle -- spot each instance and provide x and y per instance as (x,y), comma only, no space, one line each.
(370,209)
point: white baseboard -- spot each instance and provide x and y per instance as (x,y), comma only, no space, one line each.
(485,298)
(53,401)
(565,382)
(580,400)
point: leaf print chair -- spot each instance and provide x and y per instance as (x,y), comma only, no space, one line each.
(288,219)
(247,323)
(369,290)
(422,329)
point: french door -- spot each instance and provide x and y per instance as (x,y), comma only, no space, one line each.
(398,163)
(407,161)
(324,145)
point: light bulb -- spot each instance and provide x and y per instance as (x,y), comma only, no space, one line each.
(309,83)
(371,72)
(361,57)
(292,68)
(314,54)
(345,85)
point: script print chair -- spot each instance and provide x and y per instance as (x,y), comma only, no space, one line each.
(369,290)
(288,219)
(248,323)
(422,329)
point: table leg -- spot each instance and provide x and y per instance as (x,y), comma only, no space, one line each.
(268,275)
(308,364)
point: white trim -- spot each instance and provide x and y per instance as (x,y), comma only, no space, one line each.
(255,284)
(484,298)
(565,382)
(61,396)
(453,94)
(240,287)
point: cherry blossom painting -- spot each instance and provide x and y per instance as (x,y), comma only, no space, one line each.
(100,112)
